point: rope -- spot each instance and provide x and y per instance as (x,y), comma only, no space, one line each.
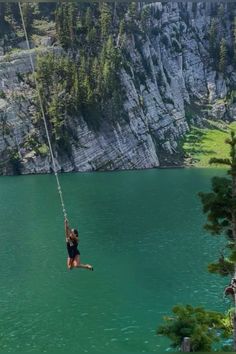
(43,115)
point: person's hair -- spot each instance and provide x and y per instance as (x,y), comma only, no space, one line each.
(75,231)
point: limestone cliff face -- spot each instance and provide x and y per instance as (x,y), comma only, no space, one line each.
(169,81)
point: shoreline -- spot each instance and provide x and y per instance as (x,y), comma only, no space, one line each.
(174,167)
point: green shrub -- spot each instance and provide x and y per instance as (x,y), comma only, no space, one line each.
(43,150)
(2,94)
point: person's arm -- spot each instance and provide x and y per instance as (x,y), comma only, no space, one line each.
(67,229)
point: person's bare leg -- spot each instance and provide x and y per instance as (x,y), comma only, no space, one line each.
(69,263)
(77,264)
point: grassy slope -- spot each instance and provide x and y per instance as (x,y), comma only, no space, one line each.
(202,144)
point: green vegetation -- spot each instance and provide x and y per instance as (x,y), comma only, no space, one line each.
(38,18)
(33,144)
(232,97)
(89,87)
(66,24)
(201,144)
(220,49)
(87,84)
(43,150)
(2,94)
(204,328)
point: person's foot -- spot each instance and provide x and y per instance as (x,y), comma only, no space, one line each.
(90,267)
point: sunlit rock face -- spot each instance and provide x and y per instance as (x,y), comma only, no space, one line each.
(169,80)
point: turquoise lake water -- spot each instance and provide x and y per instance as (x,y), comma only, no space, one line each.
(142,231)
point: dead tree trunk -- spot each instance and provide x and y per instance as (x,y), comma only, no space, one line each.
(186,345)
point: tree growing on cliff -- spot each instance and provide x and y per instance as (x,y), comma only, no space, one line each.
(145,17)
(223,56)
(65,20)
(133,11)
(105,20)
(88,21)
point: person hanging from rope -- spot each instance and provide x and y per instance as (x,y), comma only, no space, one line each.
(72,240)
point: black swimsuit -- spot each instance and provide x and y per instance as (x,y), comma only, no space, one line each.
(72,248)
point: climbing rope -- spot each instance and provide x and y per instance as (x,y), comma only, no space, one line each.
(43,114)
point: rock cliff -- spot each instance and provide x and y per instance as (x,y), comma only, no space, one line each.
(170,81)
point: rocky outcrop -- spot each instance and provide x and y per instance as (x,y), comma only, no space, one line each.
(169,82)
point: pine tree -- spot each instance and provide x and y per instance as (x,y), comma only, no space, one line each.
(223,56)
(88,19)
(106,74)
(121,34)
(92,40)
(88,91)
(133,12)
(111,52)
(66,24)
(96,78)
(75,92)
(105,20)
(71,18)
(82,68)
(122,27)
(44,73)
(109,61)
(58,21)
(82,75)
(145,17)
